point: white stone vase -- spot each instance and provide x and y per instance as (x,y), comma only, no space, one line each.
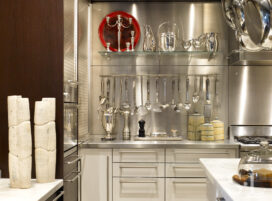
(20,144)
(45,140)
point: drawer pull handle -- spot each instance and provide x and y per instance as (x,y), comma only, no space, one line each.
(75,178)
(73,161)
(122,152)
(59,195)
(220,199)
(139,167)
(189,167)
(180,182)
(138,182)
(202,153)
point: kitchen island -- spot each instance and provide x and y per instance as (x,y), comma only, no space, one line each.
(37,192)
(219,174)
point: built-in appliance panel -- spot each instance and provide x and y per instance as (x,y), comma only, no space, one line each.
(195,18)
(250,95)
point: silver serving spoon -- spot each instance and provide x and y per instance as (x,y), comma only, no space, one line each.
(142,109)
(195,94)
(179,105)
(187,104)
(134,108)
(173,104)
(157,106)
(148,103)
(165,104)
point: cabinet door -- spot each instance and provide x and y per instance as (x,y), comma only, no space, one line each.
(138,189)
(96,174)
(186,189)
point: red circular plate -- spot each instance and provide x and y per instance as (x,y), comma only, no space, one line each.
(109,34)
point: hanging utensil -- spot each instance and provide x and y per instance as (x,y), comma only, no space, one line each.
(102,98)
(120,95)
(109,107)
(207,106)
(179,105)
(125,104)
(148,103)
(165,104)
(134,108)
(216,99)
(187,104)
(173,104)
(157,105)
(195,94)
(142,109)
(116,109)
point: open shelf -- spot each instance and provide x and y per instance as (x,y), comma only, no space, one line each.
(158,53)
(241,57)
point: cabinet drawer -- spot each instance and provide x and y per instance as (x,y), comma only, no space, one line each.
(138,155)
(184,170)
(185,189)
(138,189)
(138,170)
(193,155)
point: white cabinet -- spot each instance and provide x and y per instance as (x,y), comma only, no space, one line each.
(193,155)
(138,169)
(96,174)
(138,155)
(138,189)
(186,189)
(147,174)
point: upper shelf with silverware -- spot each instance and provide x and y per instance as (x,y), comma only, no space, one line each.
(120,32)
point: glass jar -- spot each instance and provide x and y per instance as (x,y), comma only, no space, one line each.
(255,169)
(168,36)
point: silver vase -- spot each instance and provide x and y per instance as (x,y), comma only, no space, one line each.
(149,39)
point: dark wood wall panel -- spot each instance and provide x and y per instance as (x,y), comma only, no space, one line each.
(31,63)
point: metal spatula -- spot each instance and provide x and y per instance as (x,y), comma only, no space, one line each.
(207,106)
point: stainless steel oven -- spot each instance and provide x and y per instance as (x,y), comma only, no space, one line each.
(250,137)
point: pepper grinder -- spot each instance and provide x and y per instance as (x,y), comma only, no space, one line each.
(126,130)
(142,129)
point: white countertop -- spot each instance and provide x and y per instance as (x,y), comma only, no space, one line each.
(38,192)
(221,172)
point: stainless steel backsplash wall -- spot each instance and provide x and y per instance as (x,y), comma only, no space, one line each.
(193,19)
